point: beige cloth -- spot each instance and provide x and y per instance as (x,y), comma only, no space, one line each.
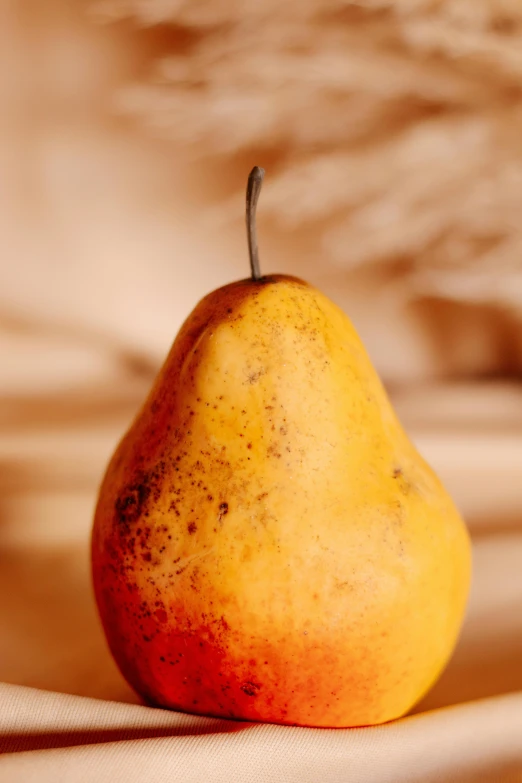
(467,743)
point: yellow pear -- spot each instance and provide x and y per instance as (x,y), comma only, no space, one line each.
(268,544)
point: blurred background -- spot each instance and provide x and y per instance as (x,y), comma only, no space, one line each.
(391,132)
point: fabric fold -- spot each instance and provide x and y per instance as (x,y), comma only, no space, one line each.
(480,741)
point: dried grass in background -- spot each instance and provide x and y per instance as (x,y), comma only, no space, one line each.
(393,129)
(392,135)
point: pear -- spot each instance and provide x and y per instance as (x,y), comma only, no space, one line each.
(268,545)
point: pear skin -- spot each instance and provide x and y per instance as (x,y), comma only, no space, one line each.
(268,545)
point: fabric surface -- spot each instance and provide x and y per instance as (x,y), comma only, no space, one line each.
(479,743)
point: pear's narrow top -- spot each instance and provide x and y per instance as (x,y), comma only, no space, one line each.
(255,180)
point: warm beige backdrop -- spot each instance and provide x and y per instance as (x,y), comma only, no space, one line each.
(391,133)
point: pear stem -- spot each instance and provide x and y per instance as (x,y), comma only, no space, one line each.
(255,180)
